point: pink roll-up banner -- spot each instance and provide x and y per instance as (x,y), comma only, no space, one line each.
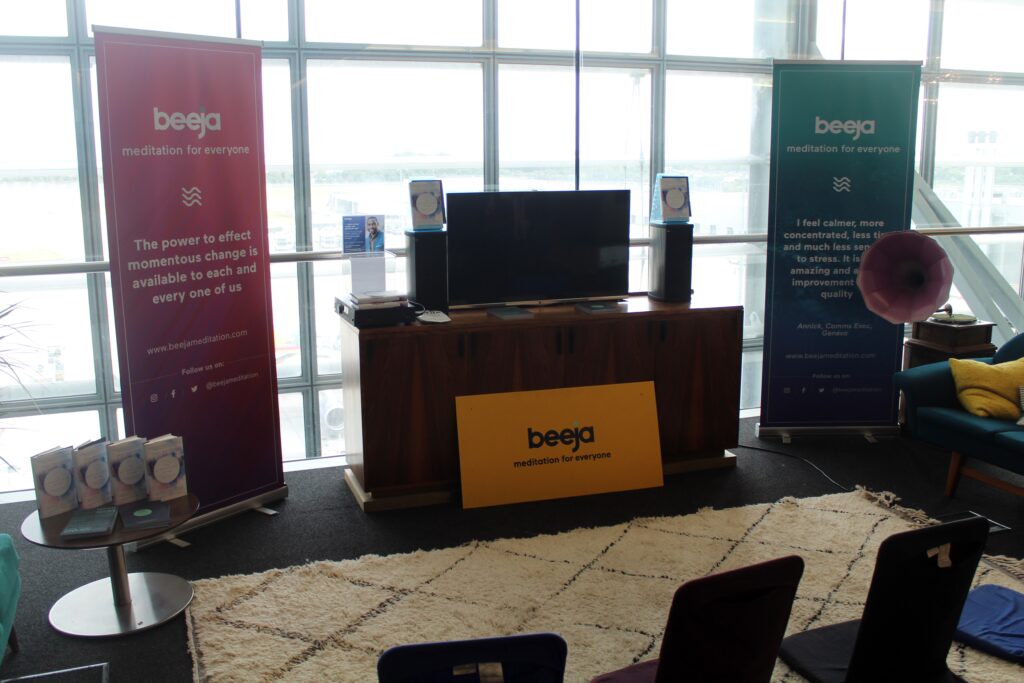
(181,127)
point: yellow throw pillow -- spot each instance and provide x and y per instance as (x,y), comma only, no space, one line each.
(989,390)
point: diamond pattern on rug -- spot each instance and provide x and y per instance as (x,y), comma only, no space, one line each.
(606,590)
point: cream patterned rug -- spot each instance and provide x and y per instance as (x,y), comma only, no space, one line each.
(606,590)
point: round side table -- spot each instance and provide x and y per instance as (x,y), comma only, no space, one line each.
(125,603)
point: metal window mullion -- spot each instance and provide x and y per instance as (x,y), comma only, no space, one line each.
(659,74)
(489,75)
(491,139)
(930,95)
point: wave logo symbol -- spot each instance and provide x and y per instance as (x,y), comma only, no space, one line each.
(190,196)
(841,184)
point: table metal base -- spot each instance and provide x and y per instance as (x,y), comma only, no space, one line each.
(92,611)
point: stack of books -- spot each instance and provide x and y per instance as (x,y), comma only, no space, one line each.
(375,309)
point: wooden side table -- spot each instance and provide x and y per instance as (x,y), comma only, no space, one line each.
(140,601)
(931,342)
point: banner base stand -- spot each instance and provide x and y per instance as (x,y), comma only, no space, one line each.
(254,503)
(870,432)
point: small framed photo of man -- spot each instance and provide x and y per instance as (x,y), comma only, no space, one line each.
(375,233)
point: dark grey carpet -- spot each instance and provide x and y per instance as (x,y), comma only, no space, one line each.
(321,521)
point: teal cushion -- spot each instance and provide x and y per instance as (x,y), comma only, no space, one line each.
(1009,451)
(10,589)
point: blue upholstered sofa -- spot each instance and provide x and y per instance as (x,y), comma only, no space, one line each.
(10,591)
(933,414)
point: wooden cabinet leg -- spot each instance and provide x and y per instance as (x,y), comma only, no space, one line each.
(953,476)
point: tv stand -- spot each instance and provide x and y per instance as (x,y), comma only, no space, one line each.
(400,385)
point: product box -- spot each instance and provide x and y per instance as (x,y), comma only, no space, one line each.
(92,474)
(127,470)
(427,202)
(362,234)
(165,467)
(671,202)
(54,481)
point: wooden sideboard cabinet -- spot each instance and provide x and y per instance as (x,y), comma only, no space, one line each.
(400,385)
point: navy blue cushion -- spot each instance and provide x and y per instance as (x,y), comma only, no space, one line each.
(993,621)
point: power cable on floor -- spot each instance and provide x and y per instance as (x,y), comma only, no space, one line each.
(802,459)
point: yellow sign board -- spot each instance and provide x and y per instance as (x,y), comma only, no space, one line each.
(555,443)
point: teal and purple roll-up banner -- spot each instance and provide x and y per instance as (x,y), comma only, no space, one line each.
(842,174)
(181,126)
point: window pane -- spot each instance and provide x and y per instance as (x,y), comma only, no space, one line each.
(363,150)
(265,19)
(615,26)
(277,140)
(101,197)
(42,18)
(639,271)
(51,345)
(334,279)
(536,127)
(284,295)
(39,163)
(980,34)
(723,149)
(615,135)
(537,143)
(293,426)
(332,423)
(738,29)
(111,336)
(518,26)
(605,25)
(979,154)
(203,17)
(399,22)
(750,384)
(23,437)
(903,34)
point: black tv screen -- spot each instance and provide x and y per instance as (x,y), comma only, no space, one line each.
(528,248)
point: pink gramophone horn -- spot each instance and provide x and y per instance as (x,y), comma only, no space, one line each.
(904,276)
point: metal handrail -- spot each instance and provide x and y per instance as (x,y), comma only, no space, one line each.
(335,255)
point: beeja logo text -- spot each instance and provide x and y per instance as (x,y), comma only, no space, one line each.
(851,127)
(197,120)
(553,437)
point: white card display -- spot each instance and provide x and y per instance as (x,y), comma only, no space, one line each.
(54,482)
(165,467)
(127,470)
(427,200)
(671,204)
(92,474)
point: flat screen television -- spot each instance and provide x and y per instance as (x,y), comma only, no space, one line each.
(535,248)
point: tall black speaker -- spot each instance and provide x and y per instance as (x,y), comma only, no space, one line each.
(427,268)
(671,261)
